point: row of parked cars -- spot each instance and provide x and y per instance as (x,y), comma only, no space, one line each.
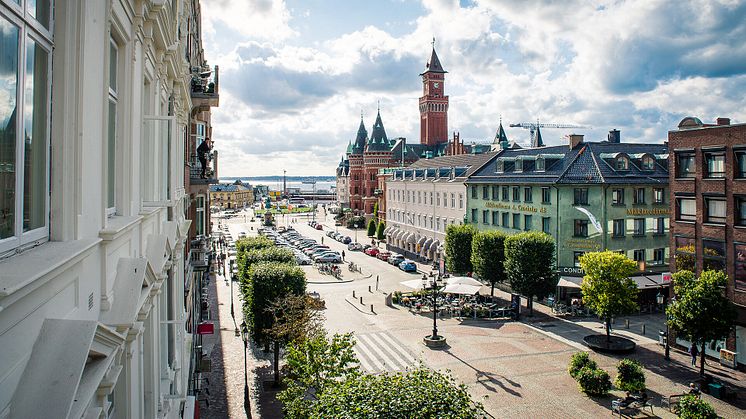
(339,237)
(315,225)
(306,250)
(397,260)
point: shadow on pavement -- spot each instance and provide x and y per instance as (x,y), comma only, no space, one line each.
(488,380)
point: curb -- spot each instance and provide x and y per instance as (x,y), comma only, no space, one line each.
(330,282)
(355,304)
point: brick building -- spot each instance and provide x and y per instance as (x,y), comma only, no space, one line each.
(708,197)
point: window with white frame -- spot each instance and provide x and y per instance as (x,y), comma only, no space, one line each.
(25,45)
(111,127)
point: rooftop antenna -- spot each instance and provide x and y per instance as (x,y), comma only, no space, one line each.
(433,42)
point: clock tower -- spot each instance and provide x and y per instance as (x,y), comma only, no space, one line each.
(433,103)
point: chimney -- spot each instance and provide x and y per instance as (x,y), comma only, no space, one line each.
(614,136)
(575,140)
(723,121)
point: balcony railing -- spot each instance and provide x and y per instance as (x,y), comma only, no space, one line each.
(195,169)
(205,82)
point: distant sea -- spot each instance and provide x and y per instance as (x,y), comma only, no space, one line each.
(275,182)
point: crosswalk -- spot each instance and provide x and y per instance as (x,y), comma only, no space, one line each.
(380,352)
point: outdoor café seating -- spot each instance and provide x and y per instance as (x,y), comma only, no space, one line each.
(454,305)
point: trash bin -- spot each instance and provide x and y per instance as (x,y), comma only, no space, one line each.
(716,390)
(662,337)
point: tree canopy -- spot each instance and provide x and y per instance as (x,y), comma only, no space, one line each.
(488,256)
(529,264)
(249,257)
(701,312)
(371,227)
(379,231)
(458,248)
(325,382)
(607,288)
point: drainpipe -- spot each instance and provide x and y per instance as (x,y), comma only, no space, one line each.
(604,217)
(557,229)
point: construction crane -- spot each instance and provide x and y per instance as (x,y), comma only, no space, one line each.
(535,134)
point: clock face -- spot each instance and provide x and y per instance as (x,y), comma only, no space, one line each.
(436,84)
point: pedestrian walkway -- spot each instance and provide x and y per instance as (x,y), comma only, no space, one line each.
(381,352)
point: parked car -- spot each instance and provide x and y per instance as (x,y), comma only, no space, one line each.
(329,258)
(372,251)
(318,227)
(302,260)
(354,247)
(395,260)
(330,233)
(408,266)
(347,240)
(383,255)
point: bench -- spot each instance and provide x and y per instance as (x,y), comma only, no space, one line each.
(618,405)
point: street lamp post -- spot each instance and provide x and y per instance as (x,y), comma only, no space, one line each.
(661,300)
(245,338)
(433,283)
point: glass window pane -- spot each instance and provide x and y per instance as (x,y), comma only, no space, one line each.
(112,67)
(110,153)
(740,276)
(39,10)
(35,136)
(8,86)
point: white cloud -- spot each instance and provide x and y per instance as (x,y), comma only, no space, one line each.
(635,65)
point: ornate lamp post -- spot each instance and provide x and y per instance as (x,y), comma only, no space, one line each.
(245,338)
(661,300)
(433,284)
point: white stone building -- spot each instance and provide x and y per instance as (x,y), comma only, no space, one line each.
(94,265)
(343,183)
(423,199)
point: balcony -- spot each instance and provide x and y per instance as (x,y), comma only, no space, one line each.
(198,254)
(205,87)
(211,171)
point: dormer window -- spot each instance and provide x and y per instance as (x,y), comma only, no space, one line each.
(518,165)
(648,162)
(622,163)
(540,164)
(500,166)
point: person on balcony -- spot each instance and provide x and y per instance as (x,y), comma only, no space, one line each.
(202,152)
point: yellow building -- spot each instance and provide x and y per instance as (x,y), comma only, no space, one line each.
(230,196)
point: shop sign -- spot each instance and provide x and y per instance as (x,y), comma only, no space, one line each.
(571,270)
(516,207)
(205,329)
(728,358)
(580,244)
(648,211)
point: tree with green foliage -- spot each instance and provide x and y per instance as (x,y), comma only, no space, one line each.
(314,365)
(594,381)
(379,231)
(692,407)
(249,243)
(293,320)
(371,227)
(375,211)
(529,265)
(357,221)
(488,256)
(607,287)
(578,361)
(266,283)
(700,312)
(458,248)
(630,376)
(416,393)
(249,257)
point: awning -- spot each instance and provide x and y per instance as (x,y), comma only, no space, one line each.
(435,246)
(570,282)
(643,282)
(462,289)
(426,246)
(387,230)
(400,234)
(412,238)
(404,236)
(422,240)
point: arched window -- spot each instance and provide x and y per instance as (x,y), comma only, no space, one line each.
(648,162)
(622,163)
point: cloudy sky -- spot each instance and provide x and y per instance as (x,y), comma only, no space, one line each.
(295,74)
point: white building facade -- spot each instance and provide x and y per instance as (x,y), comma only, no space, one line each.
(94,266)
(423,199)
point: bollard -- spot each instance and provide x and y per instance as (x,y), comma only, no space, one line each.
(361,299)
(643,329)
(353,294)
(369,289)
(371,308)
(626,323)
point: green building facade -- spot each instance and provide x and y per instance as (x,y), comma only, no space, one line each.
(589,197)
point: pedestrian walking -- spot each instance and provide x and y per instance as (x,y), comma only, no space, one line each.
(693,351)
(343,256)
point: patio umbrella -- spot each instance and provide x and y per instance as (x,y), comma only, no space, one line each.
(415,284)
(463,280)
(462,289)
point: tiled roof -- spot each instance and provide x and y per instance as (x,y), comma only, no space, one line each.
(228,188)
(589,162)
(472,161)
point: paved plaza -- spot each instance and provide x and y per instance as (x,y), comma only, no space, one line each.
(516,369)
